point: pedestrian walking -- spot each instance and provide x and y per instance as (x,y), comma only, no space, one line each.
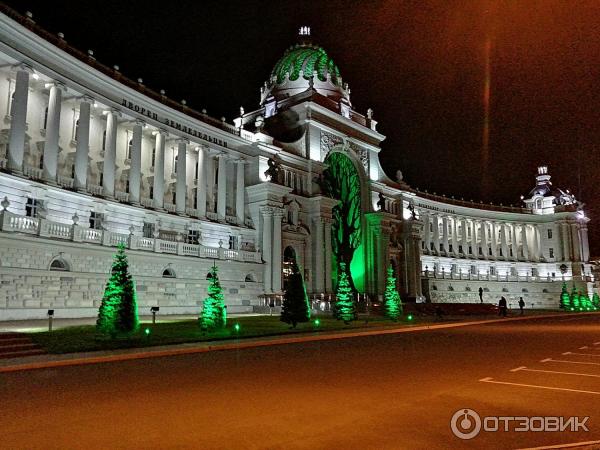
(481,294)
(521,304)
(502,307)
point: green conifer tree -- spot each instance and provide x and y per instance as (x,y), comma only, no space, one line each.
(596,300)
(565,300)
(393,304)
(214,314)
(574,300)
(345,308)
(118,311)
(585,302)
(296,307)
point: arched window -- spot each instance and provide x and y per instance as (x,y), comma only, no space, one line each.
(129,147)
(76,130)
(168,273)
(59,265)
(250,278)
(104,140)
(12,102)
(538,203)
(175,163)
(153,156)
(209,276)
(45,117)
(524,290)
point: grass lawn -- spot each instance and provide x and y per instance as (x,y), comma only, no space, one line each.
(84,338)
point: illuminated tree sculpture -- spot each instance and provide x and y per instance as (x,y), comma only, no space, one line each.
(565,300)
(295,308)
(345,308)
(596,300)
(393,304)
(214,314)
(118,310)
(341,181)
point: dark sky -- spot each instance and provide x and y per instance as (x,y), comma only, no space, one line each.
(418,64)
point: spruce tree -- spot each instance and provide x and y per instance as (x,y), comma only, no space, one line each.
(574,300)
(393,304)
(344,303)
(596,300)
(213,315)
(118,310)
(565,300)
(296,307)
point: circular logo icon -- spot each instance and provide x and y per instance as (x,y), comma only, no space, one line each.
(465,424)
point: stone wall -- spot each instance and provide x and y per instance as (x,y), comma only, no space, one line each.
(536,294)
(28,287)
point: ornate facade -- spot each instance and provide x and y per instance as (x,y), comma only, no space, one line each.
(90,159)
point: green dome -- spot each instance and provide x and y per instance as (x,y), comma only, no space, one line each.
(303,60)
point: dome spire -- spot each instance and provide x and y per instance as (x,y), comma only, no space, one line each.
(304,36)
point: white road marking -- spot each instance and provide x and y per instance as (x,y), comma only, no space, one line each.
(596,343)
(555,371)
(537,386)
(517,369)
(585,347)
(570,362)
(581,354)
(571,445)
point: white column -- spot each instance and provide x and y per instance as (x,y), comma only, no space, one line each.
(525,244)
(18,121)
(159,170)
(436,234)
(565,239)
(83,145)
(135,169)
(52,129)
(319,270)
(475,251)
(181,183)
(445,234)
(110,154)
(210,181)
(514,242)
(537,245)
(202,183)
(426,233)
(576,242)
(585,245)
(222,188)
(240,207)
(483,244)
(277,216)
(494,240)
(267,237)
(503,241)
(454,235)
(328,256)
(465,236)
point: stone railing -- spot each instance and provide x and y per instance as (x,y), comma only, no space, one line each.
(443,275)
(94,189)
(170,207)
(122,196)
(33,172)
(65,182)
(10,222)
(147,202)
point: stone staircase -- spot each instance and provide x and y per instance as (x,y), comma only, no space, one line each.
(13,345)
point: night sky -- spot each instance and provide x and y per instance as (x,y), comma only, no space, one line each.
(419,64)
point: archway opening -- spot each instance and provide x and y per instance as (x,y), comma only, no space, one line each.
(289,259)
(342,182)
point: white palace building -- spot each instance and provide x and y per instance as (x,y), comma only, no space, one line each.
(90,159)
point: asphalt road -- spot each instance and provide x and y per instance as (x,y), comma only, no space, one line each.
(380,392)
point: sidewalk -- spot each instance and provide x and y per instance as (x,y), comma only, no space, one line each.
(98,357)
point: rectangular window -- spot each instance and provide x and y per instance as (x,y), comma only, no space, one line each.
(480,251)
(32,207)
(174,199)
(127,187)
(489,251)
(101,179)
(73,171)
(95,220)
(470,250)
(441,247)
(232,242)
(551,252)
(196,173)
(460,249)
(151,193)
(195,199)
(501,252)
(549,234)
(492,270)
(148,230)
(175,158)
(511,252)
(473,270)
(431,245)
(450,248)
(153,156)
(193,237)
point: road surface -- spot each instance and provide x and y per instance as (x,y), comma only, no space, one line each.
(378,392)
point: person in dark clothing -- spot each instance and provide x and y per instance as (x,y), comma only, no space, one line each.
(521,304)
(502,307)
(481,295)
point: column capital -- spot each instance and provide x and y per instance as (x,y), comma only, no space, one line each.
(140,123)
(22,67)
(241,161)
(57,84)
(164,133)
(266,210)
(182,140)
(277,213)
(112,111)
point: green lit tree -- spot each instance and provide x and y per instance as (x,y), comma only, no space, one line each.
(118,310)
(565,300)
(596,300)
(585,302)
(575,305)
(296,307)
(214,314)
(393,304)
(345,309)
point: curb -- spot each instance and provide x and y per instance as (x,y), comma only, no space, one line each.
(146,354)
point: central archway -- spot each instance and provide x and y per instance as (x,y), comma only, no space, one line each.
(342,182)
